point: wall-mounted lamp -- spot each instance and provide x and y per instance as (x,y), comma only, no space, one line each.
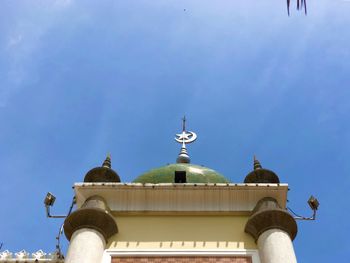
(313,203)
(49,201)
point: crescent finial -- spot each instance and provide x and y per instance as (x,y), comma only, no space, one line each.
(184,138)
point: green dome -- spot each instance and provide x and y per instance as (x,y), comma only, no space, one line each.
(194,174)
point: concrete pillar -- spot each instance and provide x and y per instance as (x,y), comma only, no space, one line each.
(88,230)
(86,245)
(275,246)
(273,228)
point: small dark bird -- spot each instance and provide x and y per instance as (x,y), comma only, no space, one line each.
(184,9)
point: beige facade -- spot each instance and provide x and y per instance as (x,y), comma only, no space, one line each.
(180,214)
(166,232)
(178,220)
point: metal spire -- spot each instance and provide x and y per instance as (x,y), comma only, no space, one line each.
(257,164)
(184,138)
(184,123)
(107,163)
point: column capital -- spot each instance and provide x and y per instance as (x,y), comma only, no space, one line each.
(93,214)
(266,215)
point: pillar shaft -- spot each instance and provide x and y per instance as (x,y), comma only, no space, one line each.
(88,230)
(273,228)
(86,246)
(275,246)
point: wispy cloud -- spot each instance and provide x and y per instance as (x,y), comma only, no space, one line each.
(14,40)
(22,42)
(62,3)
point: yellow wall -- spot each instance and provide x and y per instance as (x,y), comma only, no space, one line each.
(181,232)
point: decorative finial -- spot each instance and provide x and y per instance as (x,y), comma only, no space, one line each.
(257,164)
(184,123)
(184,138)
(107,163)
(261,175)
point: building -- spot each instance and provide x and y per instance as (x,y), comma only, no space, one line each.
(176,213)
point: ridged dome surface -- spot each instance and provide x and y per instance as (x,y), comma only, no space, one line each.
(194,174)
(262,176)
(102,174)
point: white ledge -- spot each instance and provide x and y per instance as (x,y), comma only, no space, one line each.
(188,198)
(178,184)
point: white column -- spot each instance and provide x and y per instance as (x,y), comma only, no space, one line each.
(86,246)
(275,246)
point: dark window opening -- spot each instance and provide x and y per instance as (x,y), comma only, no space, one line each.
(180,177)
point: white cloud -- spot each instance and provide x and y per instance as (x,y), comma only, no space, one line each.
(14,40)
(62,3)
(22,42)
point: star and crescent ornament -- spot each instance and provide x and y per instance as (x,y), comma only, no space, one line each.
(186,136)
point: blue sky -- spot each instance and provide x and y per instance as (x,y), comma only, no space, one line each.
(80,79)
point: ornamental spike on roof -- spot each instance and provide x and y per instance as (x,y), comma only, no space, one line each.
(108,162)
(184,138)
(257,164)
(24,256)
